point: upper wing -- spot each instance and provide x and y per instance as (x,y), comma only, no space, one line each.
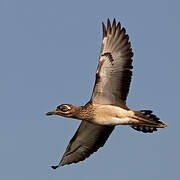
(87,140)
(114,73)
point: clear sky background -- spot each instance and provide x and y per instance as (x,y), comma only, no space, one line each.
(48,56)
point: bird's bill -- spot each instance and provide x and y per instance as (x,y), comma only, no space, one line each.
(52,113)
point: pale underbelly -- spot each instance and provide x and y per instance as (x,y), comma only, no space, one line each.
(114,121)
(112,115)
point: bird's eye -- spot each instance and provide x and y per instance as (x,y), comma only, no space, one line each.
(64,108)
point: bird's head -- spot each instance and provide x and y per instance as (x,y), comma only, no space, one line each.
(66,110)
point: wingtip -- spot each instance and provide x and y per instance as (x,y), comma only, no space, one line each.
(114,21)
(119,25)
(54,167)
(104,30)
(108,21)
(108,26)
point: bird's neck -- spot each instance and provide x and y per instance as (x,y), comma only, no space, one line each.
(84,113)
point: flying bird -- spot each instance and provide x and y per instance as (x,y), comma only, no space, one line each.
(107,106)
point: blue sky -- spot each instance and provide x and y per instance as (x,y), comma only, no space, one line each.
(49,54)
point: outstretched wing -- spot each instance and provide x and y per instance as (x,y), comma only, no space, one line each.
(114,73)
(87,140)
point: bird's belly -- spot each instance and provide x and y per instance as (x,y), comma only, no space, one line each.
(113,121)
(112,115)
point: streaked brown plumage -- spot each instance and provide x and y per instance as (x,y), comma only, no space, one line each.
(107,106)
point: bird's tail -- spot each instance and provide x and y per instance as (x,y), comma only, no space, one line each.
(147,122)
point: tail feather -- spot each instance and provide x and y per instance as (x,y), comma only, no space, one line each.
(150,124)
(144,129)
(148,114)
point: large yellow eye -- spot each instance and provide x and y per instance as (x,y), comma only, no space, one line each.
(64,108)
